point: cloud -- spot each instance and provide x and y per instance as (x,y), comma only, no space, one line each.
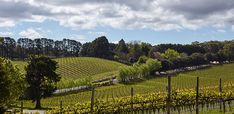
(97,34)
(221,30)
(159,15)
(194,9)
(6,34)
(6,23)
(30,33)
(80,38)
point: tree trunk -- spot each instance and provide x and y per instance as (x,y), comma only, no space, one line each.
(38,103)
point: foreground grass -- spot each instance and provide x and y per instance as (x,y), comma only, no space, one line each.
(208,77)
(73,69)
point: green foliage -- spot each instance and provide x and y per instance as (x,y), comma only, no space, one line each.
(171,54)
(145,47)
(229,50)
(129,73)
(121,47)
(11,83)
(116,57)
(41,78)
(213,46)
(1,40)
(152,52)
(198,59)
(211,56)
(100,48)
(153,65)
(153,101)
(135,52)
(85,49)
(142,59)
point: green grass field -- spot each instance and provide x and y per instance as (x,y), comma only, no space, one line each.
(74,68)
(208,77)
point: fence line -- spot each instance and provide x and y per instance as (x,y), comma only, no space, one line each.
(168,100)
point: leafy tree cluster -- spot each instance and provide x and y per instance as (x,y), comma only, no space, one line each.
(136,71)
(171,54)
(24,47)
(11,84)
(127,53)
(188,48)
(195,59)
(174,60)
(100,47)
(228,51)
(130,53)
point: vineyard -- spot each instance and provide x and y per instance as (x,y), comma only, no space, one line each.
(74,69)
(154,102)
(152,85)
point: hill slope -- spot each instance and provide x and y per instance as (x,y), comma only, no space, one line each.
(72,69)
(80,67)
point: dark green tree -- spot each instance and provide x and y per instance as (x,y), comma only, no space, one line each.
(211,57)
(1,46)
(221,56)
(85,49)
(100,48)
(229,51)
(198,59)
(135,51)
(1,40)
(41,78)
(121,47)
(145,47)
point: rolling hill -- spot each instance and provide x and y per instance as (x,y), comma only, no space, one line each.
(72,69)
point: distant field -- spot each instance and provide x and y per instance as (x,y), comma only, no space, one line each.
(208,77)
(74,68)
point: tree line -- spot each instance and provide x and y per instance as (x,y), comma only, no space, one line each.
(100,47)
(24,47)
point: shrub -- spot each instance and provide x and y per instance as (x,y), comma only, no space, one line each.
(139,70)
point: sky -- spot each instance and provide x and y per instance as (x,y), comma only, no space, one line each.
(152,21)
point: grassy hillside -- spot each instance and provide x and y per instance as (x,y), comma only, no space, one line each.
(74,68)
(208,77)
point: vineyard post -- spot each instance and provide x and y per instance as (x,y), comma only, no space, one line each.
(132,99)
(168,94)
(220,91)
(61,106)
(197,96)
(21,111)
(92,100)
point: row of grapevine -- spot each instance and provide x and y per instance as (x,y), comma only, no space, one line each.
(180,99)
